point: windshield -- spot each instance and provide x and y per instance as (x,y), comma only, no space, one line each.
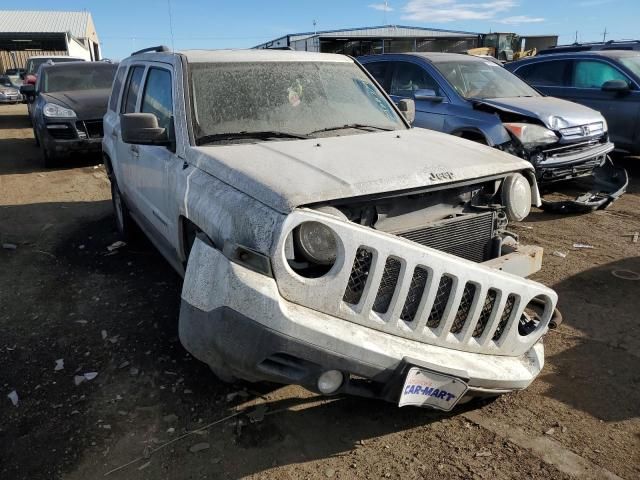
(82,76)
(484,80)
(34,63)
(294,98)
(632,63)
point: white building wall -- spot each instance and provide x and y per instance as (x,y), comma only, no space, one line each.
(77,49)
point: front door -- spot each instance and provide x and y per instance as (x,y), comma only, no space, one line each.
(621,110)
(153,163)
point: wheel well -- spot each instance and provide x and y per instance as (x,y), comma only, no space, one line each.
(107,165)
(473,136)
(189,232)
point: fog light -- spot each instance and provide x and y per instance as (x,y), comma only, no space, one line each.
(330,381)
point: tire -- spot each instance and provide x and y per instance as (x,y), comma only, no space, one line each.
(123,221)
(35,136)
(50,159)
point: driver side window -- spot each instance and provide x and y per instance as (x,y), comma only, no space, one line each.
(409,77)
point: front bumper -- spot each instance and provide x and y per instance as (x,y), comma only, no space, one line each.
(52,139)
(236,321)
(10,98)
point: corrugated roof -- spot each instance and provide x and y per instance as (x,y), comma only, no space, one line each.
(24,21)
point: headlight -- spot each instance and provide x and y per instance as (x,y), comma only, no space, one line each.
(516,197)
(56,111)
(316,242)
(531,135)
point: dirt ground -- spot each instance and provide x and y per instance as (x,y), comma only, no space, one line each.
(64,296)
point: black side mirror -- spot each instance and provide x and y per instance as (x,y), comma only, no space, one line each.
(427,94)
(143,129)
(619,86)
(28,89)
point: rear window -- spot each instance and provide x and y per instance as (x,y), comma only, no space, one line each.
(117,86)
(82,76)
(545,74)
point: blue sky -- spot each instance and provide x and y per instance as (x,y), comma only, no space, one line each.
(127,25)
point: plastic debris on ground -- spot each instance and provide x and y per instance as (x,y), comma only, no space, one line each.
(9,246)
(626,275)
(13,396)
(59,365)
(583,245)
(559,254)
(78,379)
(198,447)
(116,245)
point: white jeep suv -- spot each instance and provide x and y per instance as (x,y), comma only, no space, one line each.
(322,240)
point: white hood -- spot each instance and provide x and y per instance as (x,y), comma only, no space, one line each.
(290,173)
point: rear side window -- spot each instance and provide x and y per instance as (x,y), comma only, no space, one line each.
(157,97)
(593,74)
(545,74)
(380,71)
(134,83)
(117,87)
(410,77)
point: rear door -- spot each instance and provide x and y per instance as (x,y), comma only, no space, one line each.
(550,77)
(409,77)
(621,110)
(124,152)
(111,120)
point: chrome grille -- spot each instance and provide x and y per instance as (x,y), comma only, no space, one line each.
(468,237)
(92,128)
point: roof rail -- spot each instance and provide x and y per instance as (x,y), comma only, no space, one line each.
(278,48)
(159,48)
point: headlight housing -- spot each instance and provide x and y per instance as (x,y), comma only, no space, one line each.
(516,197)
(51,110)
(316,242)
(531,136)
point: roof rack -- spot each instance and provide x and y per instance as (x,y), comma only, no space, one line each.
(159,48)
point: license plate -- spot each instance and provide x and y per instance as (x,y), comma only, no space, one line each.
(423,388)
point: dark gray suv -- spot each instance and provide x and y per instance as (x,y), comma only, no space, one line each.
(607,81)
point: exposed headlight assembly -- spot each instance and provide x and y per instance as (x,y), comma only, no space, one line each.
(51,110)
(316,242)
(516,197)
(531,136)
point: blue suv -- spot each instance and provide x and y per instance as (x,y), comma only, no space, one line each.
(477,99)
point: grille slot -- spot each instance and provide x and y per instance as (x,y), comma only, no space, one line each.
(440,302)
(506,314)
(468,237)
(93,128)
(485,314)
(414,296)
(358,277)
(464,309)
(388,285)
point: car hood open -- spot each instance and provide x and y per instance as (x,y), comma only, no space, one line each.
(554,113)
(88,104)
(292,173)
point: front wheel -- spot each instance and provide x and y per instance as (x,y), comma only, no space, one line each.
(123,221)
(50,158)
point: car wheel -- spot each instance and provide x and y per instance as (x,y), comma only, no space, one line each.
(35,136)
(123,220)
(50,159)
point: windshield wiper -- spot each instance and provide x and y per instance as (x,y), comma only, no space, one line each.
(359,126)
(260,135)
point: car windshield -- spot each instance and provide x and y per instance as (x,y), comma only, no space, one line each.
(288,99)
(484,79)
(632,63)
(34,63)
(81,76)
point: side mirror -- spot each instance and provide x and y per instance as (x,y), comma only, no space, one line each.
(28,90)
(408,109)
(427,94)
(619,86)
(142,129)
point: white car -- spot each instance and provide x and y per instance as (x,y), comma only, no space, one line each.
(323,241)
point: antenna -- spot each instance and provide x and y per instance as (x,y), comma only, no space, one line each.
(170,24)
(315,30)
(386,8)
(604,35)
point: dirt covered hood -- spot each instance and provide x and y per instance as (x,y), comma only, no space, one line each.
(287,174)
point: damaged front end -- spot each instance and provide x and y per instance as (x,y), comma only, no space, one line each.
(565,150)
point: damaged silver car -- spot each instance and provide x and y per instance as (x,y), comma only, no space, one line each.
(323,241)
